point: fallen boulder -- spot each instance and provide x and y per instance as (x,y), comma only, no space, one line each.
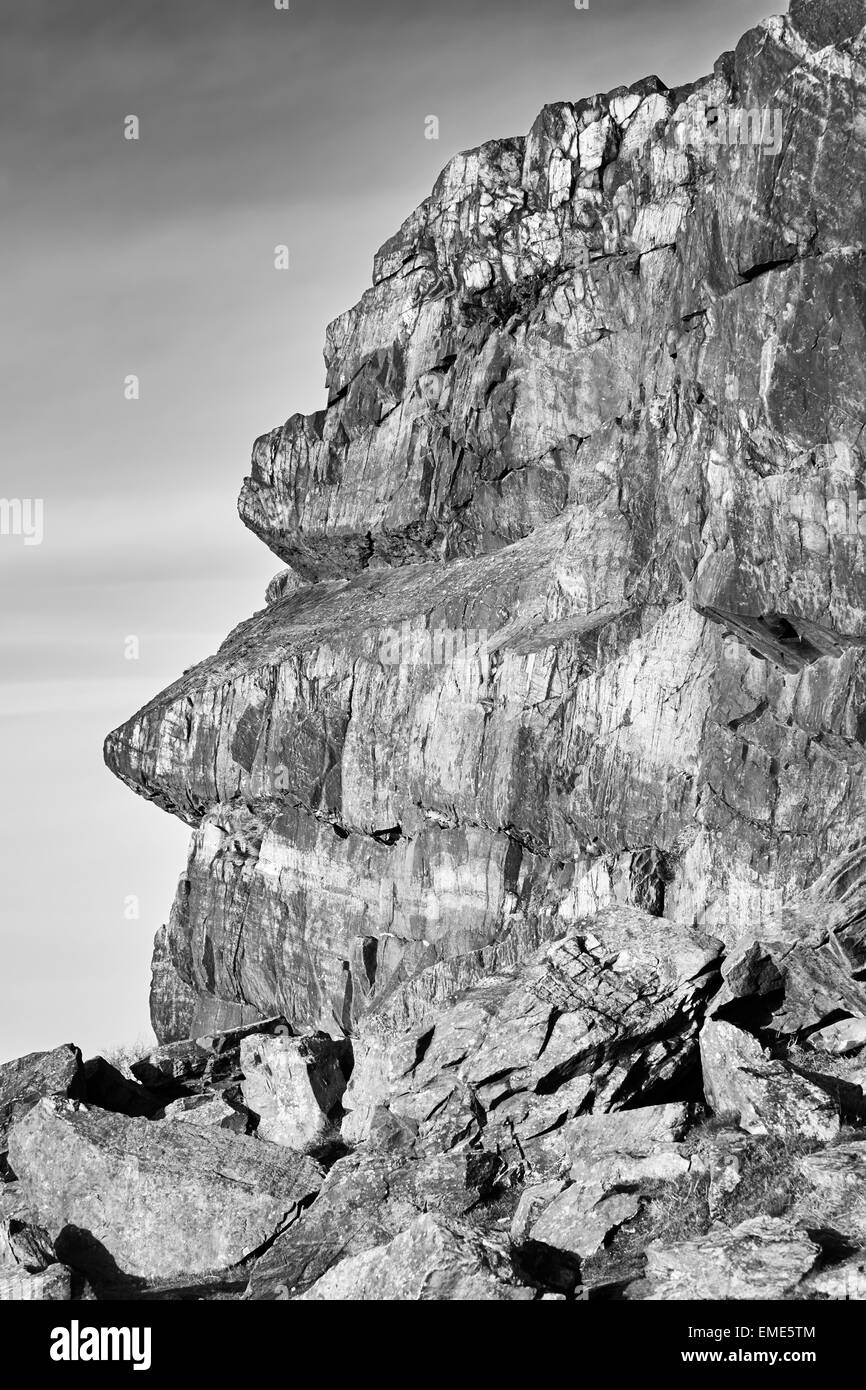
(153,1199)
(433,1260)
(762,1258)
(23,1243)
(25,1080)
(295,1086)
(579,1223)
(628,1146)
(201,1064)
(365,1200)
(765,1096)
(834,1191)
(846,1280)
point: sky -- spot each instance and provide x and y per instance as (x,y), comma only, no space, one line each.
(154,258)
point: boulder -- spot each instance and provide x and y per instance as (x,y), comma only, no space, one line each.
(26,1079)
(50,1285)
(456,1181)
(845,1280)
(200,1064)
(364,1201)
(153,1199)
(833,1198)
(295,1086)
(627,1147)
(432,1260)
(762,1258)
(209,1110)
(763,1096)
(579,1222)
(839,1039)
(23,1244)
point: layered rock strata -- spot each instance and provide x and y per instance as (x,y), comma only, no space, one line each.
(527,817)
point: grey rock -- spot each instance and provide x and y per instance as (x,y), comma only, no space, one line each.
(579,1225)
(596,1003)
(26,1079)
(202,1063)
(848,1035)
(432,1260)
(834,1191)
(23,1244)
(828,21)
(593,406)
(150,1199)
(764,1096)
(364,1201)
(455,1182)
(764,1257)
(721,1155)
(627,1147)
(845,1280)
(209,1110)
(295,1086)
(50,1285)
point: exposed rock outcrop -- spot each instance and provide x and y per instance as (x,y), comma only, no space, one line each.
(522,941)
(578,607)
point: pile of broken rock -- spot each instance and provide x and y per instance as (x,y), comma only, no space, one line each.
(632,1112)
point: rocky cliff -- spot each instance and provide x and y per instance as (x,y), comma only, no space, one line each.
(532,804)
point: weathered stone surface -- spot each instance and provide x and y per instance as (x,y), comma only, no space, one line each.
(834,1195)
(849,1035)
(763,1096)
(721,1155)
(846,1280)
(628,1146)
(828,21)
(202,1063)
(598,420)
(617,1002)
(209,1110)
(27,1079)
(579,1225)
(764,1257)
(364,1201)
(156,1198)
(295,1086)
(432,1260)
(50,1285)
(23,1245)
(455,1182)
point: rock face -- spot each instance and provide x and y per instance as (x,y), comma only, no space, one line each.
(574,612)
(527,882)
